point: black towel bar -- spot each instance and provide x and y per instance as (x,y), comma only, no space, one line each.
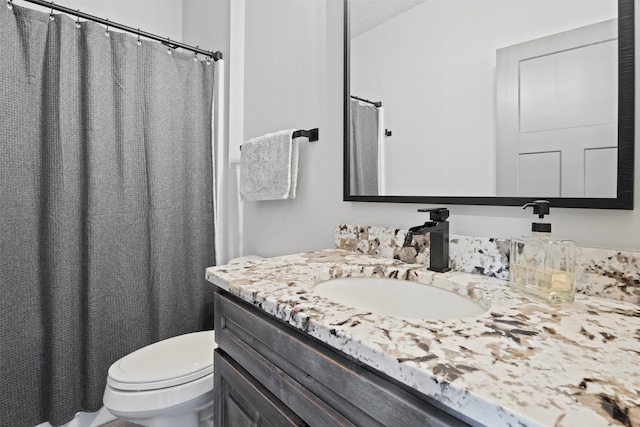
(312,134)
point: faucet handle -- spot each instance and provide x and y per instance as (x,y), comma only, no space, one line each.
(437,214)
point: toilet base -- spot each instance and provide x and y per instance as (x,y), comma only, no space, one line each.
(195,413)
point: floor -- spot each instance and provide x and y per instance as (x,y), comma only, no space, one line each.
(119,423)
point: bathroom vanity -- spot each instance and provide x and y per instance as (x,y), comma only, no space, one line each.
(267,372)
(290,357)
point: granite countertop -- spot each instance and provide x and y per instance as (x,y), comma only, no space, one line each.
(521,363)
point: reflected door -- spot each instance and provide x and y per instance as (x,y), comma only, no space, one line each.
(556,102)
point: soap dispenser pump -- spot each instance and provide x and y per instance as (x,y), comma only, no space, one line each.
(541,266)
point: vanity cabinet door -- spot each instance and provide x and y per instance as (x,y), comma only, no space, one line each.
(243,402)
(320,385)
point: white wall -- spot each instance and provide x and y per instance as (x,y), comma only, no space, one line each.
(294,79)
(433,68)
(206,24)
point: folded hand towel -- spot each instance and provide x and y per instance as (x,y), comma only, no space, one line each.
(269,167)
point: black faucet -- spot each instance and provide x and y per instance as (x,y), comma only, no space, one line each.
(438,229)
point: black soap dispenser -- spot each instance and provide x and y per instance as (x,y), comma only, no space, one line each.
(540,266)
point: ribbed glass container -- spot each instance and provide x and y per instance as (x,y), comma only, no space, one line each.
(543,268)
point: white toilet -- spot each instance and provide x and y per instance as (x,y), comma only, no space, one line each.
(166,384)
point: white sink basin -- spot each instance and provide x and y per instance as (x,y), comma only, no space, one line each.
(401,298)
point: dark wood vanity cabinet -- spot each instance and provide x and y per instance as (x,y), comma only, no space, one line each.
(268,373)
(243,402)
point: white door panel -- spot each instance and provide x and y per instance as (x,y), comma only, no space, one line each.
(539,174)
(552,88)
(557,94)
(601,172)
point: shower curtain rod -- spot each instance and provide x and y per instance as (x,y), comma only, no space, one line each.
(374,103)
(166,41)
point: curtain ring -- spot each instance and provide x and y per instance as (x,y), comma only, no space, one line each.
(106,33)
(168,45)
(195,54)
(78,19)
(209,58)
(139,41)
(10,4)
(51,17)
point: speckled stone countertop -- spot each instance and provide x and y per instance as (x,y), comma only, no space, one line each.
(521,363)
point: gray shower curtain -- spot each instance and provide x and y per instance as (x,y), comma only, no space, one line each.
(106,217)
(363,154)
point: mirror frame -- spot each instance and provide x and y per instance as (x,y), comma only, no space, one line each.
(626,126)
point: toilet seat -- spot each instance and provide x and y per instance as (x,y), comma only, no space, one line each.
(167,363)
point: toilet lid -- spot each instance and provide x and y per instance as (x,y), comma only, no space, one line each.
(167,363)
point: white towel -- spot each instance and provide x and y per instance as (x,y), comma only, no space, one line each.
(269,167)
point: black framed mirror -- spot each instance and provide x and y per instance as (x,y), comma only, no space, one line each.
(594,168)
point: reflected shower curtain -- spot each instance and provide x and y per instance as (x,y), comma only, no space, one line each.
(106,207)
(363,155)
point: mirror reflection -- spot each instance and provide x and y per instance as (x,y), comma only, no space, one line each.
(501,98)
